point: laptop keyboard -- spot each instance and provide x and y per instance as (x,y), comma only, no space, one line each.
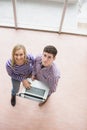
(36,91)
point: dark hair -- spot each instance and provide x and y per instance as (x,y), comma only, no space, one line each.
(50,49)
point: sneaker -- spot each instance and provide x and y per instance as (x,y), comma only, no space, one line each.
(13,100)
(42,103)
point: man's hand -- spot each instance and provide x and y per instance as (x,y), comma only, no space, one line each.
(33,77)
(26,83)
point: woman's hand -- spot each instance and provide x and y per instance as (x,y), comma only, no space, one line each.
(26,83)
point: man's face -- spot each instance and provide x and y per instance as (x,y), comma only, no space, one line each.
(47,59)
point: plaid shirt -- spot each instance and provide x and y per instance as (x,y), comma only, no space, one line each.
(48,75)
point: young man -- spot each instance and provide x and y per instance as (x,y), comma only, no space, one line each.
(45,70)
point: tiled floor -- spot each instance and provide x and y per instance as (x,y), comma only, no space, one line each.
(67,108)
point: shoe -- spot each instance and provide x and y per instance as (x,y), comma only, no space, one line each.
(42,103)
(13,100)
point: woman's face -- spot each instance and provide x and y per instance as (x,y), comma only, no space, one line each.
(19,57)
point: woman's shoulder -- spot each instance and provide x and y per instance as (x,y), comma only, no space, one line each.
(9,62)
(30,56)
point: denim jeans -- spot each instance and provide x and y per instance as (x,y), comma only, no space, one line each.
(15,86)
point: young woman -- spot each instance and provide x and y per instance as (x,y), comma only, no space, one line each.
(19,67)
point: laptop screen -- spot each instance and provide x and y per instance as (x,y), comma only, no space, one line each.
(36,91)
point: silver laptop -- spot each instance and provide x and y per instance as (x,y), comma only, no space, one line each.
(38,91)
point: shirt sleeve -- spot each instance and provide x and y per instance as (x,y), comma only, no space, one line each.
(53,82)
(11,72)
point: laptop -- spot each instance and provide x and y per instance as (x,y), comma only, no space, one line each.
(38,91)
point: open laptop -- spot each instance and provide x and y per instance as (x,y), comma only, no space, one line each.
(38,91)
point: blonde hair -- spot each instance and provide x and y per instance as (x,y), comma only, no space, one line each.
(18,47)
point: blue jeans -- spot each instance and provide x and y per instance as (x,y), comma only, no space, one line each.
(15,86)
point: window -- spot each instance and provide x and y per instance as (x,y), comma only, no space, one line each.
(69,16)
(6,13)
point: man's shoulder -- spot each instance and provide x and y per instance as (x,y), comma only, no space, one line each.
(30,56)
(38,57)
(55,70)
